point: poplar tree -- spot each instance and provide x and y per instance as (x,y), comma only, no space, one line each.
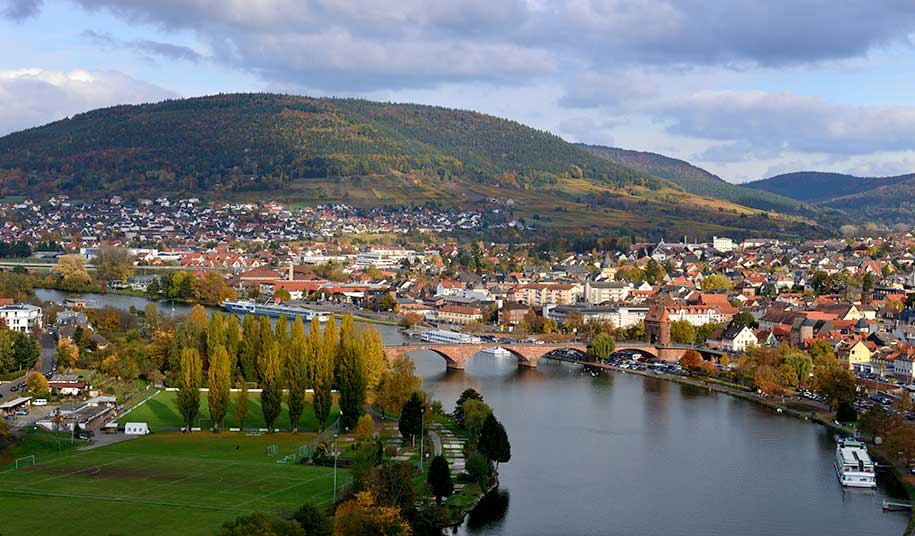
(281,336)
(248,347)
(324,350)
(232,341)
(346,334)
(189,385)
(351,381)
(373,357)
(219,382)
(241,403)
(215,332)
(297,372)
(271,384)
(265,345)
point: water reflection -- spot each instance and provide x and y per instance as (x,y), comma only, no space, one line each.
(489,515)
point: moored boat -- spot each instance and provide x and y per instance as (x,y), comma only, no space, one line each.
(245,307)
(853,464)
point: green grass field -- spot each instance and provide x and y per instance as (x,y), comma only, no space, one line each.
(162,412)
(165,483)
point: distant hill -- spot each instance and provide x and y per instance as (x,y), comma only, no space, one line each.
(694,179)
(309,151)
(881,199)
(820,186)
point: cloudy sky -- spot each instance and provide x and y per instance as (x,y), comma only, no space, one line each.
(743,88)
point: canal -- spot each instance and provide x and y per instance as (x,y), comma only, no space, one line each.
(621,454)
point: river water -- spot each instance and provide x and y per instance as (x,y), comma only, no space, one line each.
(620,454)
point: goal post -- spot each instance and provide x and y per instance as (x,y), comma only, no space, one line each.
(304,451)
(272,450)
(25,461)
(205,420)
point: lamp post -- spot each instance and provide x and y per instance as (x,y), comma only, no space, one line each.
(335,468)
(422,426)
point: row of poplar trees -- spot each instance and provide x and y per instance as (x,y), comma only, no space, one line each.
(282,362)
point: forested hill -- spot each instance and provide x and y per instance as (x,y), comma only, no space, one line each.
(310,151)
(694,179)
(262,141)
(820,186)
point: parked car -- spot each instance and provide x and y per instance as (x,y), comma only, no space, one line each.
(40,402)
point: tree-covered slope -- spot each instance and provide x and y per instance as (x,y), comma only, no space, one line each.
(308,151)
(695,180)
(816,186)
(260,141)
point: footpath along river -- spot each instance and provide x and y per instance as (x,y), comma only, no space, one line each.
(620,454)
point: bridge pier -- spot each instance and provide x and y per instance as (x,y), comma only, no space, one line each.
(454,365)
(527,363)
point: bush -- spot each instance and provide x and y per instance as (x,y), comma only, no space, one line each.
(479,468)
(313,521)
(846,412)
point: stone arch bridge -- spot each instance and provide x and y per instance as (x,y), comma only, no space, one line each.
(456,355)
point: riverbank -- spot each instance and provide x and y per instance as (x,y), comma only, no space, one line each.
(899,471)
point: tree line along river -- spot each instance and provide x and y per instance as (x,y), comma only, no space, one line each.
(622,454)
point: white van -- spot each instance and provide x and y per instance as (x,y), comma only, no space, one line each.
(40,402)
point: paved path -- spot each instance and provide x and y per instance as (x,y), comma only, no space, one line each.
(436,443)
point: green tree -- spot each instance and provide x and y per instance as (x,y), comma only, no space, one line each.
(602,346)
(271,385)
(494,441)
(397,382)
(297,372)
(189,386)
(114,263)
(654,272)
(846,413)
(266,344)
(475,414)
(249,346)
(241,403)
(216,332)
(219,384)
(716,282)
(681,332)
(261,524)
(323,349)
(313,520)
(742,319)
(411,417)
(802,364)
(233,338)
(439,478)
(479,468)
(467,394)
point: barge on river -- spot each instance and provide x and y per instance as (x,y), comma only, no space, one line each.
(248,307)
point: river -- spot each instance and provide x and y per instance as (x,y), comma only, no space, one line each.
(622,454)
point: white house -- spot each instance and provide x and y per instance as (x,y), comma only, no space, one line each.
(738,339)
(21,316)
(903,368)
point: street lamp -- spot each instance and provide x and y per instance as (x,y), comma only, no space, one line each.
(422,426)
(335,468)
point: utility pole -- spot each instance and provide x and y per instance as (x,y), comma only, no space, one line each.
(335,468)
(422,426)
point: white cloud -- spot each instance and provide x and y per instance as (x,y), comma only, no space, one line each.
(30,97)
(760,124)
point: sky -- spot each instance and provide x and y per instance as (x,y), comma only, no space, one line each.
(743,88)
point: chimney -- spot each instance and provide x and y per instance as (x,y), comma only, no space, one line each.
(291,275)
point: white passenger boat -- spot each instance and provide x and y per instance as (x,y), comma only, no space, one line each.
(248,307)
(854,466)
(441,336)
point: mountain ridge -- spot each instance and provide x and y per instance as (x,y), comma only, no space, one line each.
(319,150)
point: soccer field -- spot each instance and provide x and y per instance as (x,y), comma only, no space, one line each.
(161,412)
(167,483)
